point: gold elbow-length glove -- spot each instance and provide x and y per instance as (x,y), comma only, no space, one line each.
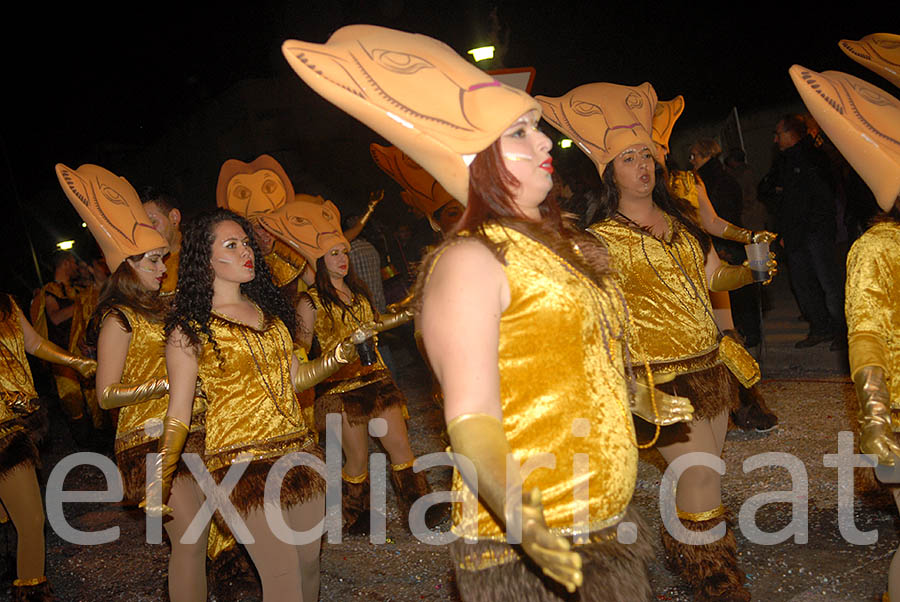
(53,353)
(118,395)
(729,277)
(309,374)
(867,353)
(480,438)
(745,236)
(171,443)
(669,408)
(389,321)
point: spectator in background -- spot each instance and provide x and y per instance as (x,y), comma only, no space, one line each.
(165,216)
(798,193)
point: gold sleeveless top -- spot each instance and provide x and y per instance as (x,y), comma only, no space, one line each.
(332,327)
(16,383)
(145,361)
(251,405)
(562,391)
(283,271)
(664,282)
(873,296)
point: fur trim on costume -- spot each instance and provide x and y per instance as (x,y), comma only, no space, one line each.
(232,576)
(710,569)
(301,484)
(410,486)
(361,404)
(37,423)
(17,448)
(711,391)
(132,463)
(39,592)
(613,571)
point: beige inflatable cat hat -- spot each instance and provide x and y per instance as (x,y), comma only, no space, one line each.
(862,121)
(309,225)
(420,190)
(252,189)
(415,91)
(112,210)
(604,119)
(880,52)
(664,117)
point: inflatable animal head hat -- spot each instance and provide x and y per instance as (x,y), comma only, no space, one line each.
(604,119)
(421,191)
(862,121)
(415,91)
(664,117)
(112,210)
(880,52)
(309,225)
(252,189)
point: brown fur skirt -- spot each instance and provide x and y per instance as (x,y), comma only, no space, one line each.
(711,391)
(16,447)
(36,421)
(132,463)
(361,404)
(613,571)
(300,484)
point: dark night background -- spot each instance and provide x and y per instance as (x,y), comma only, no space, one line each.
(100,83)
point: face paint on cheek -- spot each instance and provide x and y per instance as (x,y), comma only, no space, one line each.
(143,269)
(225,260)
(517,157)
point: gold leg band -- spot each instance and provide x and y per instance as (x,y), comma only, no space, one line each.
(404,466)
(699,517)
(355,480)
(29,582)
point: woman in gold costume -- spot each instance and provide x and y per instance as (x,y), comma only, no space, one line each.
(666,266)
(131,372)
(20,493)
(515,273)
(231,330)
(337,304)
(863,121)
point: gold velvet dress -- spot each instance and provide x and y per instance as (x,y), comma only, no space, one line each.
(362,392)
(19,398)
(252,414)
(563,395)
(664,282)
(873,298)
(146,361)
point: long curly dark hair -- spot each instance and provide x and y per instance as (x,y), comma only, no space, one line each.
(193,298)
(674,206)
(329,297)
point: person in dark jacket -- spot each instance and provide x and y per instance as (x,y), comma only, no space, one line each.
(798,193)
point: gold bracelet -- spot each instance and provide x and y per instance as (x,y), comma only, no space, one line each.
(355,480)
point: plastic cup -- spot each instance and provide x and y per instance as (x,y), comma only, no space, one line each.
(758,259)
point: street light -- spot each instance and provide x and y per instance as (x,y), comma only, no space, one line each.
(483,53)
(565,143)
(65,245)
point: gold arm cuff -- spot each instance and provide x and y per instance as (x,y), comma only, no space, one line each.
(866,349)
(404,466)
(737,234)
(30,582)
(699,517)
(355,480)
